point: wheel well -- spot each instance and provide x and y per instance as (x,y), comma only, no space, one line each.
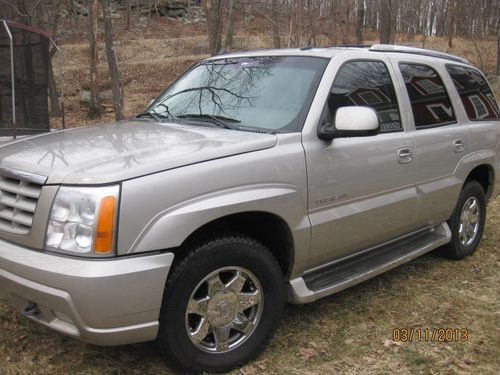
(269,229)
(485,175)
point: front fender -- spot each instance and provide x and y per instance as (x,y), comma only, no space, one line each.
(171,227)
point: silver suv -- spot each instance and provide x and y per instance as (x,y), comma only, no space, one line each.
(254,179)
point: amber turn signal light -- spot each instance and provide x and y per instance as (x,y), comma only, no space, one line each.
(105,226)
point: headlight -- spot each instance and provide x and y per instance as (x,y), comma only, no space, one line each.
(83,221)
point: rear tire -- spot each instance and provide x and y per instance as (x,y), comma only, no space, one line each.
(221,305)
(467,222)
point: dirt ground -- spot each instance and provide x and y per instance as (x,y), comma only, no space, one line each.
(348,333)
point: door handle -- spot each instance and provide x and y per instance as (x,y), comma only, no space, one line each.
(458,145)
(405,155)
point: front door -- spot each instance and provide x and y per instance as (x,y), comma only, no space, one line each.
(361,190)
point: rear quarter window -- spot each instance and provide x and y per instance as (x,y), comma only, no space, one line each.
(477,97)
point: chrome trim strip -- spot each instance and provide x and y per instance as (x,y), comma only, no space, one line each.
(22,175)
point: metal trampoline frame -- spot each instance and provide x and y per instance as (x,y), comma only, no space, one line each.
(46,35)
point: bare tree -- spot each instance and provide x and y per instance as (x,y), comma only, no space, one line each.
(275,24)
(213,12)
(360,20)
(451,21)
(498,51)
(127,13)
(296,23)
(53,15)
(385,31)
(112,63)
(312,12)
(95,108)
(230,25)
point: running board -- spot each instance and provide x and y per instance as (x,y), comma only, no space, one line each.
(345,273)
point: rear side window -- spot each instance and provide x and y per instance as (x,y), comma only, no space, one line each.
(366,83)
(477,98)
(430,103)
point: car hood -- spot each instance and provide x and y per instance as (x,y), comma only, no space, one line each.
(108,153)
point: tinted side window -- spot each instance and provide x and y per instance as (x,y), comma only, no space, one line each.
(366,83)
(477,98)
(430,103)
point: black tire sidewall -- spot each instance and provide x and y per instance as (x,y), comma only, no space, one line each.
(456,250)
(214,255)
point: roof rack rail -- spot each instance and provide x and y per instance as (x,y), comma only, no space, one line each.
(349,46)
(416,51)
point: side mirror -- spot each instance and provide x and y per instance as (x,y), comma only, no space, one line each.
(351,122)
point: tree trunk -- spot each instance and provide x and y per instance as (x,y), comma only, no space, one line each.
(127,13)
(451,22)
(213,13)
(498,51)
(94,105)
(55,107)
(298,19)
(274,17)
(360,21)
(385,22)
(112,63)
(230,25)
(433,19)
(311,17)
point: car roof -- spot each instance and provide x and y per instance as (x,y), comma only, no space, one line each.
(329,52)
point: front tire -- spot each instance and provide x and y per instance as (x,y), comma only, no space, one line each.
(221,305)
(467,222)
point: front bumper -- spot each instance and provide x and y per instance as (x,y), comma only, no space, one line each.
(104,302)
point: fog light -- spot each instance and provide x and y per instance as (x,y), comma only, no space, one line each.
(32,309)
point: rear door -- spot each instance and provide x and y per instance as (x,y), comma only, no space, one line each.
(441,141)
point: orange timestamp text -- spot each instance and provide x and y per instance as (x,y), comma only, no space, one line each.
(430,334)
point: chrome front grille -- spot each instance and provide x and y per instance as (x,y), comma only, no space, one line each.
(18,200)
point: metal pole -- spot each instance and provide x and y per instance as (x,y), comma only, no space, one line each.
(12,73)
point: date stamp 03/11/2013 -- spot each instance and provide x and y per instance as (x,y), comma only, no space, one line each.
(430,334)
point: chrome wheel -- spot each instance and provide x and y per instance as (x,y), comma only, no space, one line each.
(469,221)
(224,310)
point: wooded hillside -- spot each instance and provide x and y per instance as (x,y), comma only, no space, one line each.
(104,42)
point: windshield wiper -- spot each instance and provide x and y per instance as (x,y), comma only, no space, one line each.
(157,116)
(220,121)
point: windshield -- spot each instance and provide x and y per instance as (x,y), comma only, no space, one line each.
(265,93)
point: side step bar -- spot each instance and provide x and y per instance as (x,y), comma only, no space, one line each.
(343,274)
